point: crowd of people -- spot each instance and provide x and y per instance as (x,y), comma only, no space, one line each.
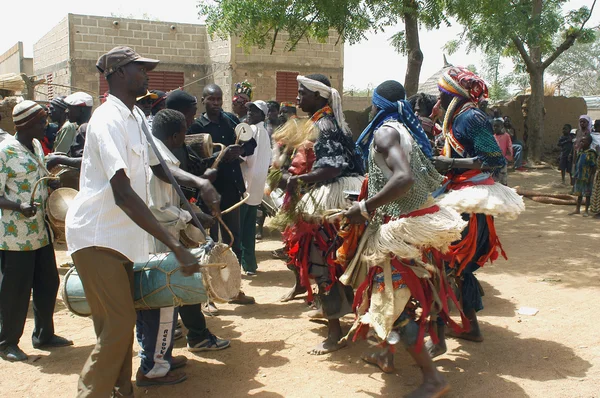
(391,228)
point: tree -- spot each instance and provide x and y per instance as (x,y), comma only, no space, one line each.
(577,72)
(498,84)
(258,23)
(524,30)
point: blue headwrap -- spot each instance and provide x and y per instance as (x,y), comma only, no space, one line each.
(401,111)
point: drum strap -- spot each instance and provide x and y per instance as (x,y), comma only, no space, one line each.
(187,205)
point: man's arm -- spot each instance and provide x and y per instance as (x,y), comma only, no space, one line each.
(387,143)
(207,192)
(54,160)
(139,213)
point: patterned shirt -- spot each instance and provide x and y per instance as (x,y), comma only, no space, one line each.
(19,171)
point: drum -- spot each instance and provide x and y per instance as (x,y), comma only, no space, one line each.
(69,176)
(73,295)
(202,144)
(56,208)
(158,283)
(223,284)
(243,132)
(191,237)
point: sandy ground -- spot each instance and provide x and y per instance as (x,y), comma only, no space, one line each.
(553,266)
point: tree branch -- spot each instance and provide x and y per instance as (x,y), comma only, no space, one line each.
(295,43)
(569,41)
(274,40)
(521,49)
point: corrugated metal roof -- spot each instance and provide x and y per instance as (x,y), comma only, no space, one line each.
(592,102)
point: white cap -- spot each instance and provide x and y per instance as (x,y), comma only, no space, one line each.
(79,99)
(260,104)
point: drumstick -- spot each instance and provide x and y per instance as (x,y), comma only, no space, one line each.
(37,183)
(220,156)
(238,204)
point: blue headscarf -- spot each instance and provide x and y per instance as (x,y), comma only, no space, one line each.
(401,111)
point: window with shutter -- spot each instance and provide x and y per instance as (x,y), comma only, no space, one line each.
(163,81)
(287,86)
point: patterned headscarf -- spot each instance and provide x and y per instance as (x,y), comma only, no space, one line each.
(468,90)
(400,111)
(461,82)
(243,92)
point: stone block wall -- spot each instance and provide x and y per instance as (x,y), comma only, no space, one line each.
(260,67)
(167,41)
(11,60)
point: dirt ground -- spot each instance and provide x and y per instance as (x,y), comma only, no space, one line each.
(553,266)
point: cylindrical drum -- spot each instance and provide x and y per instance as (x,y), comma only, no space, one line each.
(158,283)
(202,144)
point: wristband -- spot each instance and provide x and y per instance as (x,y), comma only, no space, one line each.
(362,205)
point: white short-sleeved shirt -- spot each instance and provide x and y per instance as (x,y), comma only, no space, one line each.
(256,166)
(114,141)
(165,203)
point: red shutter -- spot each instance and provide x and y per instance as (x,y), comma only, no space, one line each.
(163,81)
(287,87)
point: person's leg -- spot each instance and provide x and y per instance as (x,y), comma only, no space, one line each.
(518,155)
(578,207)
(260,223)
(154,331)
(587,205)
(563,173)
(107,278)
(195,322)
(248,236)
(232,220)
(15,291)
(45,289)
(297,288)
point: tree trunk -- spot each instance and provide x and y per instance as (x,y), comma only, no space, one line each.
(535,117)
(415,55)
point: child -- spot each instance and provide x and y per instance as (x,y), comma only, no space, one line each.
(505,144)
(585,168)
(566,152)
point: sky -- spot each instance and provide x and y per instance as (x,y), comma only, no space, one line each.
(366,64)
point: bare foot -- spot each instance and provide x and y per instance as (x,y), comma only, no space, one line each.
(431,388)
(295,291)
(435,350)
(384,360)
(327,346)
(575,212)
(470,336)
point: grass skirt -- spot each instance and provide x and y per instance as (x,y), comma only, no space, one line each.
(492,200)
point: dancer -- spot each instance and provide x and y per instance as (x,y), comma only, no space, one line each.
(470,155)
(387,267)
(336,169)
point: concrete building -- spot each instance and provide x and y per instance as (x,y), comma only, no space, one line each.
(13,61)
(190,57)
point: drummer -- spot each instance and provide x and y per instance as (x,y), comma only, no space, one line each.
(26,251)
(108,223)
(230,181)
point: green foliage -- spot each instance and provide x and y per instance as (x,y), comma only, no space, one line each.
(577,71)
(260,23)
(498,83)
(493,26)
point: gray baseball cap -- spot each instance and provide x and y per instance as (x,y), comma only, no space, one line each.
(121,56)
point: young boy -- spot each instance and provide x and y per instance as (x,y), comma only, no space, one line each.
(505,144)
(26,253)
(566,153)
(585,169)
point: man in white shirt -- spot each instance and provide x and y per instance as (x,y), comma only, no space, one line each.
(255,169)
(108,223)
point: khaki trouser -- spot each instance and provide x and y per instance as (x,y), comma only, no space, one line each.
(107,278)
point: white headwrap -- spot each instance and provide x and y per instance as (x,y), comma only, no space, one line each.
(330,94)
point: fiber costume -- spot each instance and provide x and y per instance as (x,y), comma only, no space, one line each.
(389,268)
(309,238)
(473,193)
